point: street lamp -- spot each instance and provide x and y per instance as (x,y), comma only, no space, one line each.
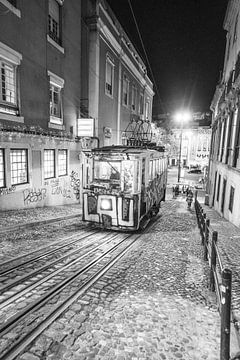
(181,117)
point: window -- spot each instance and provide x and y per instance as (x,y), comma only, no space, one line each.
(147,109)
(2,169)
(9,61)
(19,166)
(8,83)
(134,98)
(219,183)
(223,194)
(54,23)
(13,2)
(231,198)
(109,77)
(62,162)
(55,100)
(49,164)
(125,90)
(141,102)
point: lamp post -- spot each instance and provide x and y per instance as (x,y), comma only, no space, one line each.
(181,117)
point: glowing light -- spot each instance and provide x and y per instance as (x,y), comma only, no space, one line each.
(182,116)
(106,204)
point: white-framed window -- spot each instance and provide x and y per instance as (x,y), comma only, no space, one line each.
(8,83)
(2,169)
(147,109)
(9,61)
(54,20)
(55,98)
(134,98)
(19,166)
(126,83)
(49,163)
(62,162)
(109,82)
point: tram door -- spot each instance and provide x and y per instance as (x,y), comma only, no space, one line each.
(143,188)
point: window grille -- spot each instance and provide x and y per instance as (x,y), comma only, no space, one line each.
(49,164)
(19,166)
(62,162)
(2,169)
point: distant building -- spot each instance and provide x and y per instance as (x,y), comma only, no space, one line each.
(224,175)
(70,80)
(196,138)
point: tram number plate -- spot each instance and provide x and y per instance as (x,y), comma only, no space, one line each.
(107,220)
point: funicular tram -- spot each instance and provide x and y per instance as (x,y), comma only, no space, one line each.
(126,186)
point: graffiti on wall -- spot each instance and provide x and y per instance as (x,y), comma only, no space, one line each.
(34,195)
(6,191)
(75,184)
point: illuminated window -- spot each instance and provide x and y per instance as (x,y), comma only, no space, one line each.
(55,99)
(19,166)
(62,162)
(125,90)
(49,164)
(2,169)
(54,23)
(109,77)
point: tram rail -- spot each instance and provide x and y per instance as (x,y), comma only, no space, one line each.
(41,312)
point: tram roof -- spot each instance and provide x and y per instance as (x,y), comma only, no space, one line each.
(127,149)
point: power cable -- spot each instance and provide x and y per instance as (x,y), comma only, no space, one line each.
(145,53)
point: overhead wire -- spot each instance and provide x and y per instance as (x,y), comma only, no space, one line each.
(145,53)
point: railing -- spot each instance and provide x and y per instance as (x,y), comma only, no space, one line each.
(220,278)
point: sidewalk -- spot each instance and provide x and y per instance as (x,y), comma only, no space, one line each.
(16,219)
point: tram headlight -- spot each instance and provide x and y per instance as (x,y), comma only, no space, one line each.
(106,204)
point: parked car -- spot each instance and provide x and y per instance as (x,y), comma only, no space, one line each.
(194,171)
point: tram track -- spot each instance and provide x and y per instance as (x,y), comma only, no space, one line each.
(29,322)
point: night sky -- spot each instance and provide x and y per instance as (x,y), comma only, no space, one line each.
(185,43)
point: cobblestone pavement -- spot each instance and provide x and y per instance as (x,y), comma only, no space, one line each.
(154,305)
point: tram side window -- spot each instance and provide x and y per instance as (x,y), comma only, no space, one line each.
(151,170)
(128,169)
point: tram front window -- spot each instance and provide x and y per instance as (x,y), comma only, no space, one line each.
(106,170)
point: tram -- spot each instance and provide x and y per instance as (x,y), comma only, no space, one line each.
(126,186)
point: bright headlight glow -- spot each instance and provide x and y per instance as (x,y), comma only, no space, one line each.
(106,204)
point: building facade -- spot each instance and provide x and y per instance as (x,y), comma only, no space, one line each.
(224,175)
(61,83)
(119,90)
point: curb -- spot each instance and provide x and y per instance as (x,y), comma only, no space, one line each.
(35,223)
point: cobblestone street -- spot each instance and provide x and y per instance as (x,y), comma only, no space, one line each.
(153,305)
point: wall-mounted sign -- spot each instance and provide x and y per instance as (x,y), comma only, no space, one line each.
(85,127)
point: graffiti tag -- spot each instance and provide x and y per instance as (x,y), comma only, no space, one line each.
(34,195)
